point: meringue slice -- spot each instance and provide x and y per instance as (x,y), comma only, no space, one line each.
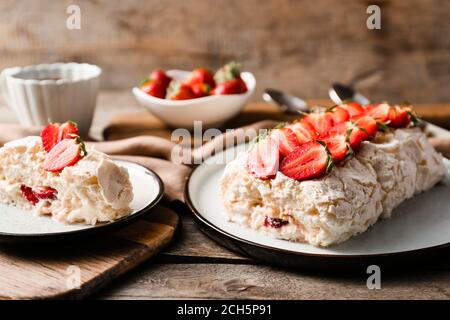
(93,190)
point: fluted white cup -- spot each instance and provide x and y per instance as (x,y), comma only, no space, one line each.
(55,92)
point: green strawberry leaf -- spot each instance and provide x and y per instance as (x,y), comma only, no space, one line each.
(144,81)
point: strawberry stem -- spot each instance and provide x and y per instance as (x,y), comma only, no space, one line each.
(330,163)
(144,81)
(382,127)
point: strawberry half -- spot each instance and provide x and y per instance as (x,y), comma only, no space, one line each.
(55,132)
(379,112)
(367,124)
(321,122)
(339,114)
(50,136)
(263,160)
(66,153)
(361,129)
(398,117)
(356,137)
(286,140)
(68,129)
(338,146)
(308,161)
(304,131)
(353,108)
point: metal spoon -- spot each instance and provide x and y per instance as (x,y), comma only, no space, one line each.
(340,93)
(286,102)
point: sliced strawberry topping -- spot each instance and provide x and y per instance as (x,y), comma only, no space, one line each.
(286,139)
(55,132)
(339,115)
(310,160)
(398,117)
(66,153)
(28,194)
(353,108)
(274,222)
(338,146)
(310,147)
(305,132)
(321,122)
(263,160)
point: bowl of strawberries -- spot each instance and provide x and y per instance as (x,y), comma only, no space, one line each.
(180,97)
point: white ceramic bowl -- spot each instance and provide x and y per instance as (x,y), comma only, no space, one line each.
(211,110)
(55,92)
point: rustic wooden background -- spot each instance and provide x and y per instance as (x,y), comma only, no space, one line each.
(301,46)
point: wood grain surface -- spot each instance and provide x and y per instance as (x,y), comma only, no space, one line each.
(241,281)
(49,270)
(300,46)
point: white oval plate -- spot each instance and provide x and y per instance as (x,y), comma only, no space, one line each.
(421,222)
(18,225)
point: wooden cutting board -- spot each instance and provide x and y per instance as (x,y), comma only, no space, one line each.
(144,123)
(75,270)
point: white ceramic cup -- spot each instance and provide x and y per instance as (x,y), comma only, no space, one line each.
(55,92)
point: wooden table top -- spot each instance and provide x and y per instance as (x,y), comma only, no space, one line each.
(196,267)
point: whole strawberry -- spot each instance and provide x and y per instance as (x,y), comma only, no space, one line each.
(200,89)
(179,91)
(228,80)
(156,84)
(201,75)
(153,88)
(160,77)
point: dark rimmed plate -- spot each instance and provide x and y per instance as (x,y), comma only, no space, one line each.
(420,227)
(21,226)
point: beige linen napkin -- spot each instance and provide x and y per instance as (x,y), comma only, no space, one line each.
(156,153)
(442,145)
